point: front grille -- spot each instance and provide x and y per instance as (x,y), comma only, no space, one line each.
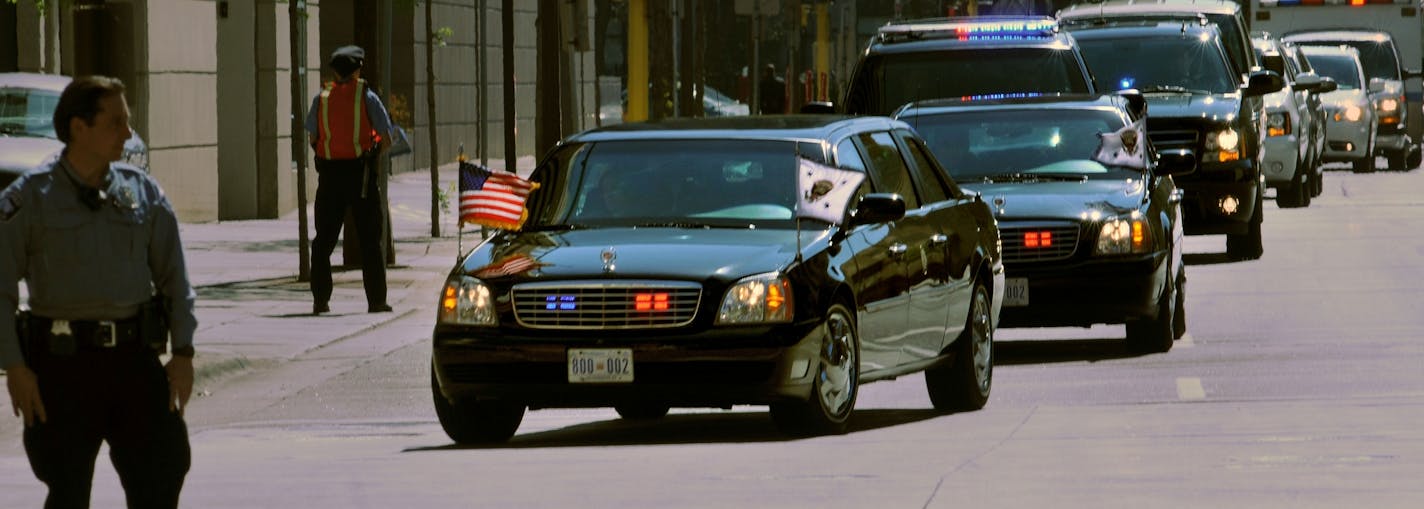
(1064,243)
(685,373)
(1168,139)
(606,304)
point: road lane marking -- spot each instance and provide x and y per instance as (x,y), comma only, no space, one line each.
(1190,388)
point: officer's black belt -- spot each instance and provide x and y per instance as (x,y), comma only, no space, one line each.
(90,333)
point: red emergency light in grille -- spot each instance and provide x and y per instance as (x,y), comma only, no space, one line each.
(650,302)
(1038,239)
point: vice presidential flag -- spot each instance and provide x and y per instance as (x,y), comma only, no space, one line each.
(493,199)
(824,192)
(1123,147)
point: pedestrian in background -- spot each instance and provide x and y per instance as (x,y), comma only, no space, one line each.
(773,91)
(348,128)
(96,242)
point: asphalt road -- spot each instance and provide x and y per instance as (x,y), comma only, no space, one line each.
(1300,384)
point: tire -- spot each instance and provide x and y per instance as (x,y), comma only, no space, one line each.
(1295,194)
(1317,183)
(835,387)
(1179,316)
(642,411)
(475,422)
(1154,335)
(1247,246)
(1398,162)
(1365,165)
(964,384)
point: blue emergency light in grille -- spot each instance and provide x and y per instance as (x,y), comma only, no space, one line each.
(618,304)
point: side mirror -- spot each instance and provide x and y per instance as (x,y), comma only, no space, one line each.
(1136,102)
(1262,83)
(1377,85)
(1307,81)
(818,108)
(1177,161)
(878,208)
(1327,84)
(1274,62)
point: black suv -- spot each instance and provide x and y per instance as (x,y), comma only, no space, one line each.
(954,57)
(1198,108)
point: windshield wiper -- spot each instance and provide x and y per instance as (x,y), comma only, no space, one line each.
(1173,89)
(686,224)
(1034,177)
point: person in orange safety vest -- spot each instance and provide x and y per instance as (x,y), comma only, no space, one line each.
(349,128)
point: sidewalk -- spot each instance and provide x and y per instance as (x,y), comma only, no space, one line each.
(252,311)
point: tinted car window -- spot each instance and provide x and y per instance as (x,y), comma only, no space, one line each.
(1144,63)
(887,168)
(930,186)
(1339,68)
(1377,59)
(976,144)
(25,111)
(893,79)
(717,182)
(1232,38)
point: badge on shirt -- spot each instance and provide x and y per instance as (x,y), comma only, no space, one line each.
(126,198)
(9,203)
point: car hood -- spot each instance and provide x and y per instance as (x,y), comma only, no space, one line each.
(1343,98)
(1066,200)
(19,154)
(1217,107)
(653,253)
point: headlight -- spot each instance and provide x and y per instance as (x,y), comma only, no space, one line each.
(1351,114)
(1223,146)
(1389,104)
(1278,124)
(763,298)
(1124,236)
(467,301)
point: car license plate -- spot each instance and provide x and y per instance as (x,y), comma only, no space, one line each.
(600,365)
(1016,291)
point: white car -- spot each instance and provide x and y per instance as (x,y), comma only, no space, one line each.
(27,137)
(1350,117)
(1295,127)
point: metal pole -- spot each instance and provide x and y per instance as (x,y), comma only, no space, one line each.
(297,31)
(677,84)
(387,85)
(511,158)
(637,61)
(431,119)
(483,21)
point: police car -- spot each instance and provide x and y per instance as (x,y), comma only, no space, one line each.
(953,57)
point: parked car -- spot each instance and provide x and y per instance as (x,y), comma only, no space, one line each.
(1199,108)
(670,264)
(1295,134)
(714,104)
(927,59)
(1380,59)
(1351,129)
(1088,238)
(27,136)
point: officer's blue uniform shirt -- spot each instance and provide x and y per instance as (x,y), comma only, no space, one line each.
(375,111)
(83,264)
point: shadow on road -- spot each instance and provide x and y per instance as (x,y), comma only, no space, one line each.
(679,429)
(1013,353)
(1207,258)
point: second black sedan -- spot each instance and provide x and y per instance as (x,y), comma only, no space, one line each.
(780,261)
(1091,223)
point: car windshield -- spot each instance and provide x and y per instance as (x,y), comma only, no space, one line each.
(973,145)
(1340,68)
(893,79)
(27,112)
(1189,63)
(1377,57)
(672,183)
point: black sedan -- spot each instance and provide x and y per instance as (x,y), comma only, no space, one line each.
(716,262)
(1091,222)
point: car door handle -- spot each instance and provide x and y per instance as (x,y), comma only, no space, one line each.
(898,250)
(938,239)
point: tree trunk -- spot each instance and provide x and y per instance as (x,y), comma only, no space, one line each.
(297,23)
(432,131)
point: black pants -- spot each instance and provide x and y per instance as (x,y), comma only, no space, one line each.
(118,396)
(339,187)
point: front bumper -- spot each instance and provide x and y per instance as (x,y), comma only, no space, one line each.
(1205,193)
(1392,143)
(717,369)
(1090,292)
(1346,141)
(1281,159)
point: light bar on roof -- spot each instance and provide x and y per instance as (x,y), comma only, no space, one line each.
(995,97)
(973,28)
(1353,3)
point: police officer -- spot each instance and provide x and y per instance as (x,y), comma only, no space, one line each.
(348,127)
(95,240)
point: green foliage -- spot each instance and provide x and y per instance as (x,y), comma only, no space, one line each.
(442,34)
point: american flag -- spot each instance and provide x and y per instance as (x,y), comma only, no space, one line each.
(493,199)
(513,264)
